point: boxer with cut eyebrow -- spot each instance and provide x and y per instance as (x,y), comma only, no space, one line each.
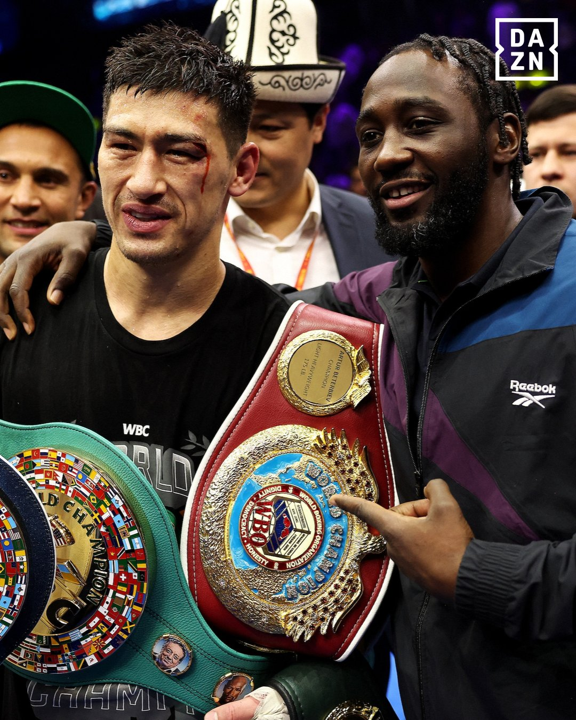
(160,338)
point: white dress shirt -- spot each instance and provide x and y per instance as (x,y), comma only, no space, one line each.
(279,261)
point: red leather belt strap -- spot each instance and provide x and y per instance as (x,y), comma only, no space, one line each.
(263,406)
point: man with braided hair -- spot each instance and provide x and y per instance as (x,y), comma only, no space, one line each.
(478,361)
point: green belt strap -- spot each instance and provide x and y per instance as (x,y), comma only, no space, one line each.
(170,607)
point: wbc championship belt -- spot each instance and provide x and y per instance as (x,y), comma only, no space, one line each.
(267,558)
(91,585)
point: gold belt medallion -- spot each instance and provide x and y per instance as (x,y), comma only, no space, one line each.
(276,554)
(321,373)
(355,711)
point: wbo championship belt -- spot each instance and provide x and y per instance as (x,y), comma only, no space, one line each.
(91,585)
(268,560)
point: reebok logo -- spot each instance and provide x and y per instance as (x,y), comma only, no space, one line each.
(531,393)
(132,429)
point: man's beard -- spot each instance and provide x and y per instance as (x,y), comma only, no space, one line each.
(449,218)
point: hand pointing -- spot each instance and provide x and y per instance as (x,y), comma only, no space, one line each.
(426,538)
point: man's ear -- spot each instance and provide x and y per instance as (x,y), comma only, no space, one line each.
(87,194)
(505,154)
(245,164)
(319,123)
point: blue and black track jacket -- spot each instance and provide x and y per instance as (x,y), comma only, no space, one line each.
(498,423)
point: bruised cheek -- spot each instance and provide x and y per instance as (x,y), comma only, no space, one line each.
(111,173)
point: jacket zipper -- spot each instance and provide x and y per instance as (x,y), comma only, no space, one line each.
(420,491)
(417,463)
(420,485)
(420,430)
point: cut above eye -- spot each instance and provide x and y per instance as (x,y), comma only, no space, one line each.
(195,154)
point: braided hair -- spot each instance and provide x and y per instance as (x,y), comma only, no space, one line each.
(490,97)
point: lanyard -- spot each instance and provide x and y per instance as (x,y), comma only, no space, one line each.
(249,269)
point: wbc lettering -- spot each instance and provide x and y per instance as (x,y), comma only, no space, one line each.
(139,430)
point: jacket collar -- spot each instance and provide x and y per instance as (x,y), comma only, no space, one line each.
(536,245)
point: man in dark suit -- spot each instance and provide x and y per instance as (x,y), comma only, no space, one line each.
(288,228)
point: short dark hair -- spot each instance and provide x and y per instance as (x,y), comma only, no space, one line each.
(559,100)
(490,97)
(311,110)
(167,58)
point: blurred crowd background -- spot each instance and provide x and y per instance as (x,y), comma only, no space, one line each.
(65,42)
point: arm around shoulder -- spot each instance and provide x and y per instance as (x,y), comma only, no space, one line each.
(63,247)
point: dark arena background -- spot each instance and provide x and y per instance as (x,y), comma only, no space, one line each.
(64,43)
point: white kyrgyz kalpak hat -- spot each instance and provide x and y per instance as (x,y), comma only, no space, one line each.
(277,38)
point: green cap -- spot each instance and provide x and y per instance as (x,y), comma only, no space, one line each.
(22,100)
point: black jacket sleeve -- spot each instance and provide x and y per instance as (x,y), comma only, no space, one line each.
(103,235)
(527,590)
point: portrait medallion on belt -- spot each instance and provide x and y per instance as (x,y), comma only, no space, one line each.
(231,687)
